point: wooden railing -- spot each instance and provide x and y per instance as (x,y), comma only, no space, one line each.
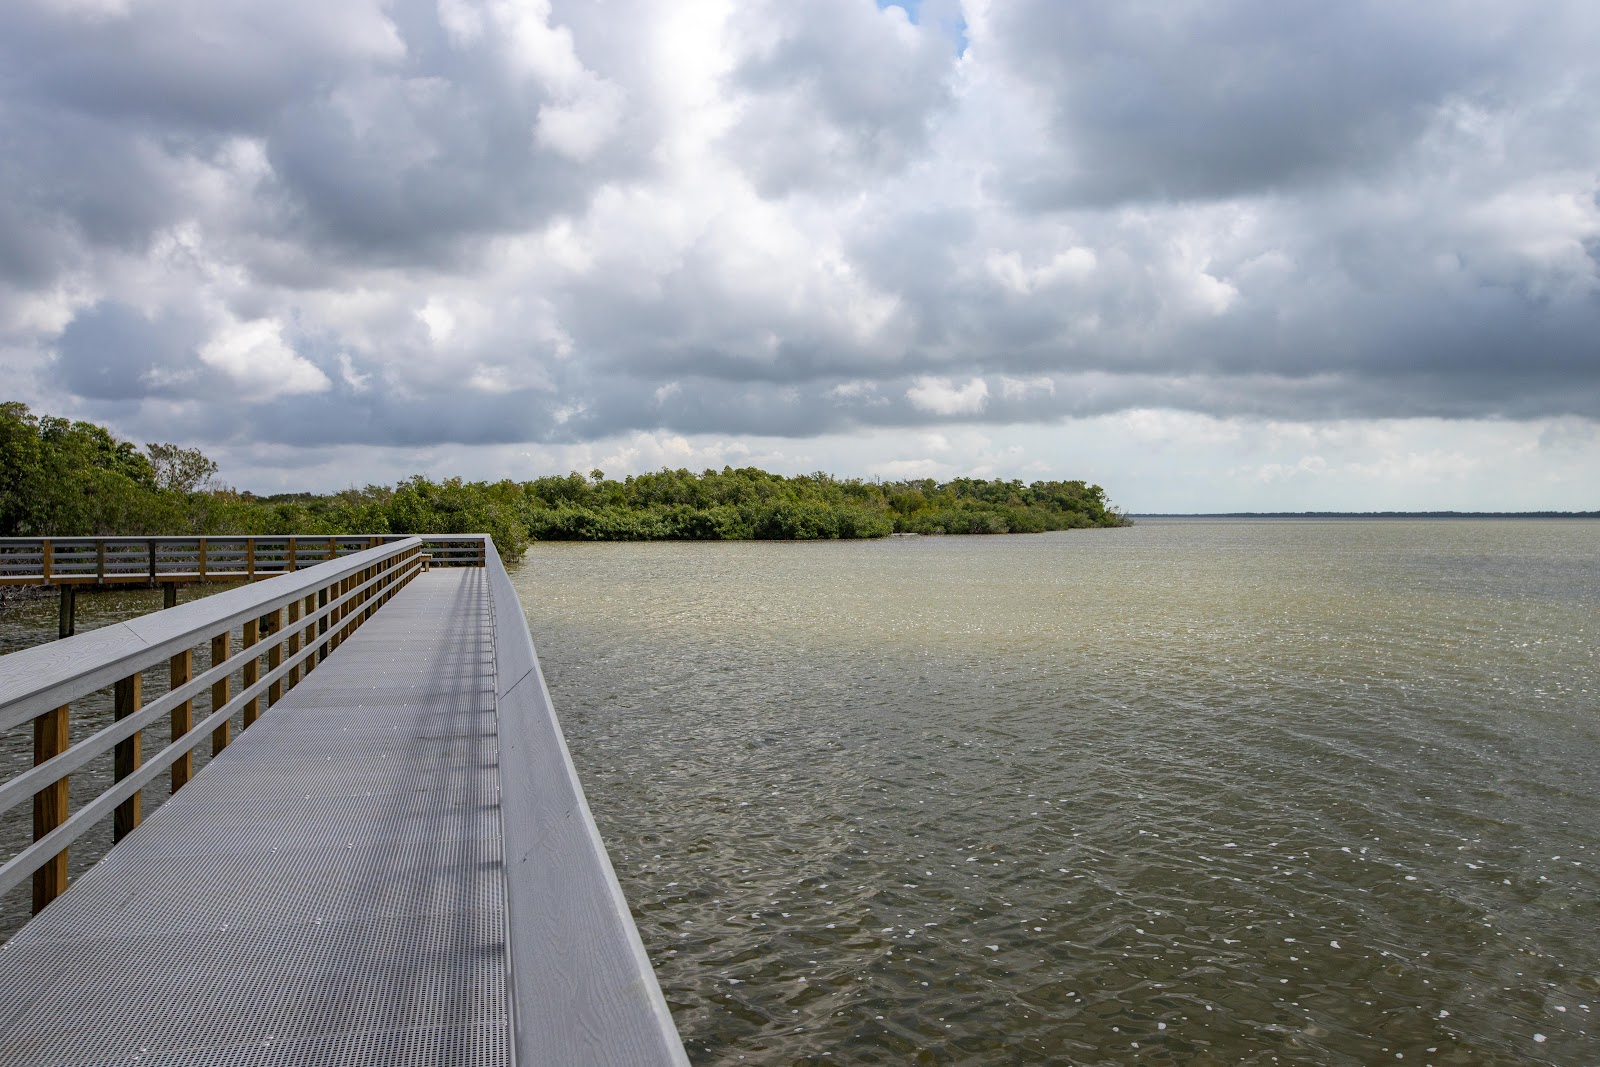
(101,561)
(288,624)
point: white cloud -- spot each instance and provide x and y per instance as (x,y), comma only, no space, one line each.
(492,378)
(896,469)
(580,126)
(1306,465)
(350,376)
(942,396)
(439,321)
(1018,388)
(1075,264)
(255,355)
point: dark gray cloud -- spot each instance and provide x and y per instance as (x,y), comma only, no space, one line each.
(831,96)
(456,222)
(111,352)
(384,140)
(1157,101)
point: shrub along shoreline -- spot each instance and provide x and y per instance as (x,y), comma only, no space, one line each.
(65,479)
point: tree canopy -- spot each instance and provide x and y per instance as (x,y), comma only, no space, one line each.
(64,479)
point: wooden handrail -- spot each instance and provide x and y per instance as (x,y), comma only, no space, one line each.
(67,670)
(111,561)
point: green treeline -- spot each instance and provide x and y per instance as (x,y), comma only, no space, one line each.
(66,479)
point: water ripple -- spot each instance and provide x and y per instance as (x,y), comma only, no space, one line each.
(1187,793)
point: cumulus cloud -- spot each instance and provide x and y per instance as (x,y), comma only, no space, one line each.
(833,92)
(941,396)
(474,223)
(255,357)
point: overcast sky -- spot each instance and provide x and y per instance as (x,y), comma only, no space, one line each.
(1212,254)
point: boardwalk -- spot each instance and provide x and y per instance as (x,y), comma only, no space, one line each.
(331,887)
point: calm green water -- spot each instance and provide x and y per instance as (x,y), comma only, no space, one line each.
(1187,793)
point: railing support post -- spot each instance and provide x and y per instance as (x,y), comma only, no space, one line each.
(219,692)
(338,613)
(293,675)
(127,698)
(274,624)
(311,635)
(322,624)
(67,622)
(180,670)
(49,805)
(252,672)
(250,558)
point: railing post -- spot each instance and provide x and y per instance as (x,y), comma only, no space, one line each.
(333,549)
(274,622)
(180,670)
(219,692)
(46,558)
(252,671)
(49,805)
(339,615)
(348,610)
(125,758)
(311,635)
(151,545)
(100,561)
(250,558)
(67,622)
(322,624)
(294,641)
(291,554)
(202,559)
(169,595)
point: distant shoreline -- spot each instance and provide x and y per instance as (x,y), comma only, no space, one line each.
(1136,515)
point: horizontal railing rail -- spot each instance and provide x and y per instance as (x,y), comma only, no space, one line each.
(601,1004)
(291,622)
(91,561)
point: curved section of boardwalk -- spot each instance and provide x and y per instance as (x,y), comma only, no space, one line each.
(329,889)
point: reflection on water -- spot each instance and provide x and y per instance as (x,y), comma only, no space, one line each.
(1192,792)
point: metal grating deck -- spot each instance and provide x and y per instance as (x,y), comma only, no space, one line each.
(328,890)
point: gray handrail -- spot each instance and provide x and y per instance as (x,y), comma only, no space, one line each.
(35,680)
(582,988)
(45,676)
(24,785)
(125,559)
